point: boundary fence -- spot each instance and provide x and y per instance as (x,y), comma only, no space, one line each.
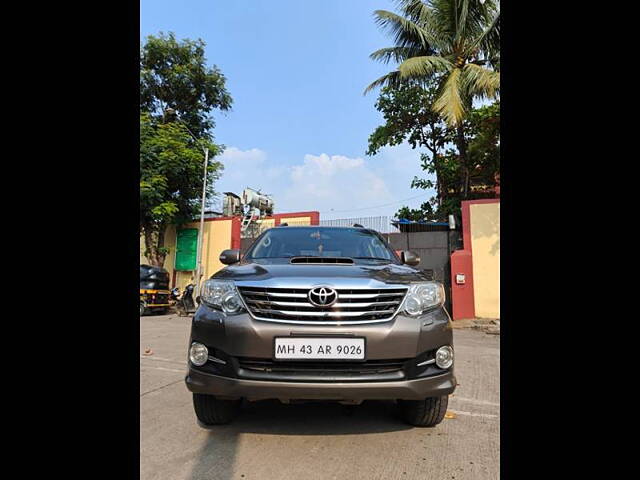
(381,224)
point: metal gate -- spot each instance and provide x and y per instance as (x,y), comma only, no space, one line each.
(434,248)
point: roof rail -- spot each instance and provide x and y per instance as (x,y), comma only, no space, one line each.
(357,225)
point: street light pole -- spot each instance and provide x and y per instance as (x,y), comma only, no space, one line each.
(201,231)
(202,205)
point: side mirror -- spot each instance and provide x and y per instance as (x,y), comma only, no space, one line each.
(409,258)
(229,257)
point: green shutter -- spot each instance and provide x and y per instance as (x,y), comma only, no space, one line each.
(186,249)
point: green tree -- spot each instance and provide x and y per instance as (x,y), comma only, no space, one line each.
(408,117)
(482,131)
(425,212)
(174,75)
(456,41)
(178,92)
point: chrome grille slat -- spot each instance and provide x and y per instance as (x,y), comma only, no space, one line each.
(370,295)
(291,305)
(323,314)
(276,294)
(293,295)
(307,304)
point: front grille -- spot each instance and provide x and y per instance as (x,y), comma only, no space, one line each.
(371,370)
(291,305)
(268,369)
(370,366)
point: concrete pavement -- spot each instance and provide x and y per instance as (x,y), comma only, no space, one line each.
(314,441)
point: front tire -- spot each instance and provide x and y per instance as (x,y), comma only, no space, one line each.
(213,411)
(142,309)
(424,413)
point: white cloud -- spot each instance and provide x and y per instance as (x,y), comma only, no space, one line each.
(336,185)
(243,168)
(337,182)
(234,155)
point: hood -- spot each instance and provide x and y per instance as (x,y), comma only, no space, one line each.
(280,273)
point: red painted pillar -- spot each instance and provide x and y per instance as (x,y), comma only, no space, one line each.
(462,297)
(235,233)
(462,294)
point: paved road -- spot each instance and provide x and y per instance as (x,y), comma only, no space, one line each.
(314,441)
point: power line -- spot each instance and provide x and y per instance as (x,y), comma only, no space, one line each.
(376,206)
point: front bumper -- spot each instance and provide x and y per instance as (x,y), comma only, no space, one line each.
(198,382)
(391,371)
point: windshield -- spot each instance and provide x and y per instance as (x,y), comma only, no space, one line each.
(286,242)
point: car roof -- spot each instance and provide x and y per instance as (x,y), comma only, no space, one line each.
(322,227)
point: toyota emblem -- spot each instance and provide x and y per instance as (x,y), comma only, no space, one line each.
(322,296)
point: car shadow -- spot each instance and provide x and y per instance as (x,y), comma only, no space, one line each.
(217,456)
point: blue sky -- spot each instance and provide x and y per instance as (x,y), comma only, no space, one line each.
(298,130)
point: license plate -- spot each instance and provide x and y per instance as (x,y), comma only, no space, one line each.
(318,348)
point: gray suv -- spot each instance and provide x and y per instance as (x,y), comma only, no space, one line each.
(321,313)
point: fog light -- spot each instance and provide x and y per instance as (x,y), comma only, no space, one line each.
(444,357)
(198,354)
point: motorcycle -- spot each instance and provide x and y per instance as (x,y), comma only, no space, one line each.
(185,305)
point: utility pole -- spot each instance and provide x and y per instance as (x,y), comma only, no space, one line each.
(171,111)
(201,230)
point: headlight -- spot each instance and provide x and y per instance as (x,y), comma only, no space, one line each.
(423,296)
(198,354)
(221,294)
(444,357)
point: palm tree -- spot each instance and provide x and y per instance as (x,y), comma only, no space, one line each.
(456,41)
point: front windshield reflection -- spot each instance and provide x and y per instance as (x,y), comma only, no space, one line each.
(287,242)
